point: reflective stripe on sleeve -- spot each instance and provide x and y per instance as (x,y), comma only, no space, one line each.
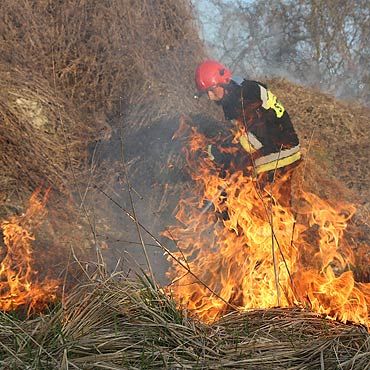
(264,96)
(250,143)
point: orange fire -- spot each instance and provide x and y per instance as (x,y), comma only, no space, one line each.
(244,250)
(19,280)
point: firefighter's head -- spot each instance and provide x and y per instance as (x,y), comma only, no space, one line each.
(210,78)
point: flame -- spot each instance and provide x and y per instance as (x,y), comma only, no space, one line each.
(244,248)
(19,280)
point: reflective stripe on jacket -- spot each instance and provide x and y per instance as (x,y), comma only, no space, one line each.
(280,159)
(270,161)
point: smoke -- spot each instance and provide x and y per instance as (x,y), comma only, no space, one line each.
(144,176)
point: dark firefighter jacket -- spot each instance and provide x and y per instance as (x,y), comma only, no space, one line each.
(264,127)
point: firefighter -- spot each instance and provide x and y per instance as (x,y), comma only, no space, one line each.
(264,128)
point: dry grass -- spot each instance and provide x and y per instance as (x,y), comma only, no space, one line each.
(108,57)
(75,73)
(41,137)
(89,66)
(72,72)
(112,322)
(332,132)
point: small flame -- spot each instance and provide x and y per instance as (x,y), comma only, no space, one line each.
(246,250)
(19,280)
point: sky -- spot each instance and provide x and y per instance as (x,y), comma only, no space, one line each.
(205,9)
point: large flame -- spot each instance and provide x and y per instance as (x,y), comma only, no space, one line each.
(20,284)
(243,249)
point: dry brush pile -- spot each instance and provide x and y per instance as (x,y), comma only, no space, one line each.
(41,138)
(72,71)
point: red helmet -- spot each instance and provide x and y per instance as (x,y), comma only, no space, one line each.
(211,73)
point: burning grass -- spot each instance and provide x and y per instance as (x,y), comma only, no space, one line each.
(112,322)
(21,284)
(75,72)
(71,75)
(250,248)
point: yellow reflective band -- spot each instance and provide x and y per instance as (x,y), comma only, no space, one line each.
(278,163)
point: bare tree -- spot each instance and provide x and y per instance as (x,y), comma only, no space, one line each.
(320,43)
